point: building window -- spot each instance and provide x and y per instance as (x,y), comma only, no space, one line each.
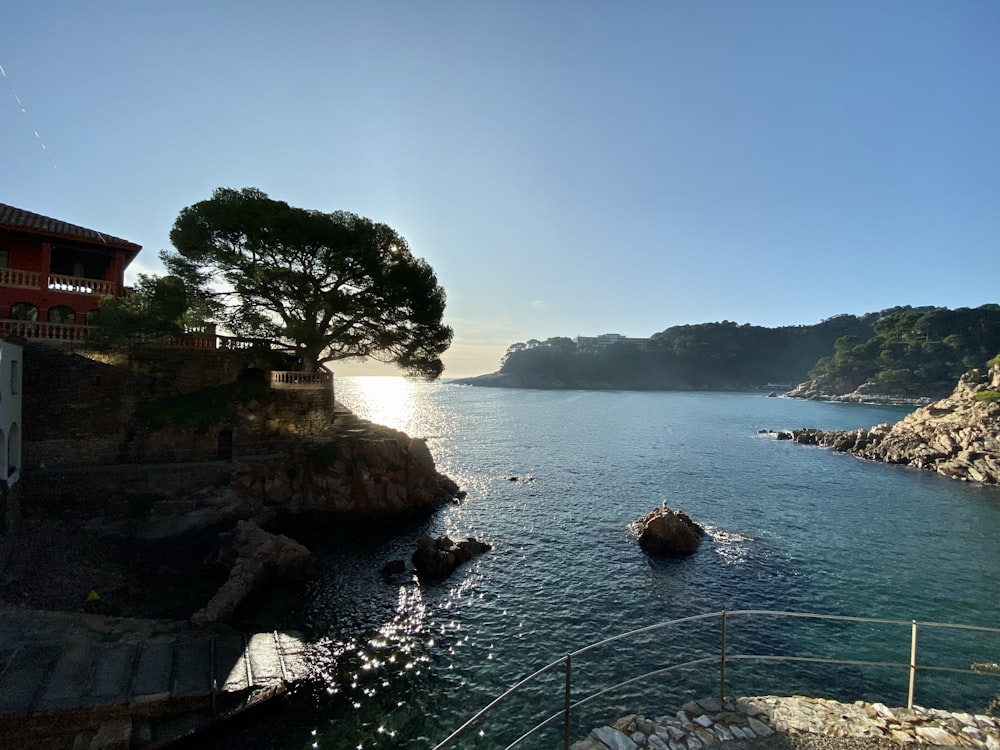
(4,258)
(62,315)
(23,311)
(15,376)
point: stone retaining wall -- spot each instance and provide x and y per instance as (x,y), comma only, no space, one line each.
(706,722)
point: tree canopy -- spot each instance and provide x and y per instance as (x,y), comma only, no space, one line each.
(156,308)
(916,351)
(327,285)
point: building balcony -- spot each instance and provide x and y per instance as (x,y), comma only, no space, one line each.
(20,279)
(55,332)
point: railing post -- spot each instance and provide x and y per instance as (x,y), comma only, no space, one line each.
(722,661)
(569,670)
(913,664)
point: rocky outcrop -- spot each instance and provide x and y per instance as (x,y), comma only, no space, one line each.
(255,557)
(377,473)
(864,393)
(958,436)
(436,558)
(668,532)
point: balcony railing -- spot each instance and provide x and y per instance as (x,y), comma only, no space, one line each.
(291,379)
(79,285)
(57,282)
(30,329)
(17,278)
(199,338)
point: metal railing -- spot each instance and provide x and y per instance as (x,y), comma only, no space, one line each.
(722,657)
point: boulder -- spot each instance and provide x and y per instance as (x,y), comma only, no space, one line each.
(436,558)
(668,532)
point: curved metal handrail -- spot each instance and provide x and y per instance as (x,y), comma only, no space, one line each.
(721,658)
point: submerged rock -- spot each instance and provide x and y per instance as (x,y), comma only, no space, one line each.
(668,532)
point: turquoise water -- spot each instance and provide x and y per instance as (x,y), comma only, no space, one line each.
(554,478)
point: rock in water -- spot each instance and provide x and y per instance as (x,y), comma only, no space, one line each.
(439,557)
(668,532)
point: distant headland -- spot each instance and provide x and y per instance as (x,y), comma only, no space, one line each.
(910,355)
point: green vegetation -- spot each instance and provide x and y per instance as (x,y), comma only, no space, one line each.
(905,351)
(915,352)
(202,409)
(721,356)
(988,396)
(156,309)
(327,285)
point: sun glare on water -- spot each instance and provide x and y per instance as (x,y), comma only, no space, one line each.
(384,400)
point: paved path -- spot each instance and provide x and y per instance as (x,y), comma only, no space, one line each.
(81,669)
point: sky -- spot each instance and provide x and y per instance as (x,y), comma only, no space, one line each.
(566,168)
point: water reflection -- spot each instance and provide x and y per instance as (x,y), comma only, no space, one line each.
(384,400)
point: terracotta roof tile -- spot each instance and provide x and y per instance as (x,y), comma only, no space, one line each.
(17,218)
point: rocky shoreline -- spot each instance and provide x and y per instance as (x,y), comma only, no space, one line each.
(773,721)
(957,436)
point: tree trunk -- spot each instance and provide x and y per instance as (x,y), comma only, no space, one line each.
(308,357)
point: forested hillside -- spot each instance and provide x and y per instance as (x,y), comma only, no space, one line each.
(904,350)
(913,352)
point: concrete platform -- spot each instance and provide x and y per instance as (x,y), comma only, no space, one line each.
(66,673)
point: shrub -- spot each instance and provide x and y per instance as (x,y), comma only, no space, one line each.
(988,396)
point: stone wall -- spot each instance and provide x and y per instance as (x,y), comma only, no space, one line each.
(79,411)
(122,491)
(75,410)
(178,369)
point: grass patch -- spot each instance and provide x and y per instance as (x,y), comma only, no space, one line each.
(202,409)
(988,396)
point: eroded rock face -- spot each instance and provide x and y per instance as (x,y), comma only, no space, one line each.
(380,474)
(436,558)
(668,532)
(958,436)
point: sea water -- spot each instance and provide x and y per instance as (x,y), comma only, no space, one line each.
(554,480)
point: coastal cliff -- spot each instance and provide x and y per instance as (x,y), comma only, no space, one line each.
(957,436)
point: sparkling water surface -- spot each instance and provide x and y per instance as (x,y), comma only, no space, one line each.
(554,479)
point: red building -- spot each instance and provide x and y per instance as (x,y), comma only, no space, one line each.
(53,273)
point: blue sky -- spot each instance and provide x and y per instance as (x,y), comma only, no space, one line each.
(565,167)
